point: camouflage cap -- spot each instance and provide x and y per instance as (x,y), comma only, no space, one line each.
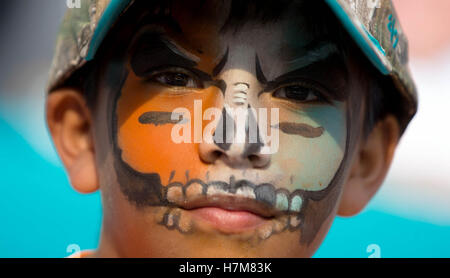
(373,25)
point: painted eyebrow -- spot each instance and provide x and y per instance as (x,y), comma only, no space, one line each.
(320,51)
(155,50)
(177,49)
(298,73)
(158,51)
(162,50)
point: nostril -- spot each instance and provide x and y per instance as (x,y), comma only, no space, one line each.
(253,158)
(216,154)
(209,153)
(259,161)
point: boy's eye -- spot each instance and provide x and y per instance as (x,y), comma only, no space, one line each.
(298,93)
(176,79)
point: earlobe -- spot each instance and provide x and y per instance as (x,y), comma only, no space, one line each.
(70,125)
(370,166)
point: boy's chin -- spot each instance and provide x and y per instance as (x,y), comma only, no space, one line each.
(207,238)
(209,241)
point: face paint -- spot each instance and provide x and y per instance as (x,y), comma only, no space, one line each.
(240,93)
(319,52)
(295,191)
(149,148)
(301,129)
(160,118)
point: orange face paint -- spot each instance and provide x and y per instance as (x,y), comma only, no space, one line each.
(149,148)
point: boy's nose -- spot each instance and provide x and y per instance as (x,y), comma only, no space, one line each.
(236,148)
(236,140)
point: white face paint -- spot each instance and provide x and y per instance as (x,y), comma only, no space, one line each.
(240,93)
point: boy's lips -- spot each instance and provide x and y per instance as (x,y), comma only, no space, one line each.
(232,203)
(238,206)
(230,214)
(228,221)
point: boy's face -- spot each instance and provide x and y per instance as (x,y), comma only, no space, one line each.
(174,186)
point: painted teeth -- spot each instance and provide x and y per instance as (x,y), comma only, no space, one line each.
(265,193)
(176,219)
(246,192)
(214,190)
(280,224)
(175,194)
(184,223)
(282,202)
(265,232)
(170,222)
(294,221)
(159,214)
(296,203)
(193,190)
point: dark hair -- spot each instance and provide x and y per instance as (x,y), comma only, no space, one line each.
(379,98)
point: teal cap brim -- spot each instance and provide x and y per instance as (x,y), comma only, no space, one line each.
(108,18)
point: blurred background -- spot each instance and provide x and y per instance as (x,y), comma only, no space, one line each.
(41,215)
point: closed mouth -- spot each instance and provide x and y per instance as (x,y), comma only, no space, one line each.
(232,203)
(234,207)
(230,214)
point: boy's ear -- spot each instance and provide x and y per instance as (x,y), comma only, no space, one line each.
(370,166)
(70,124)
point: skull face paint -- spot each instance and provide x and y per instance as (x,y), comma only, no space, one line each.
(232,191)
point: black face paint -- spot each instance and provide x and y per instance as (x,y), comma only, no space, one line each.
(224,134)
(330,75)
(217,69)
(251,147)
(152,50)
(259,73)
